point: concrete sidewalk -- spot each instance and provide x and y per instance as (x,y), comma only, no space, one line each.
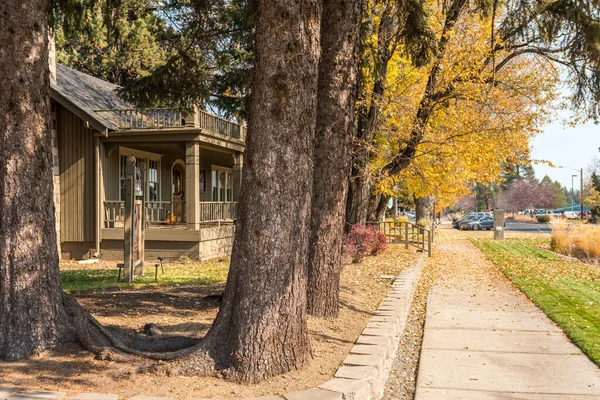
(485,340)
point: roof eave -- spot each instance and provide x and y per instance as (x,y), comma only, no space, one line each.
(98,123)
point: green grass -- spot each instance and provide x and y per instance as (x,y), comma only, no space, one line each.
(207,273)
(568,292)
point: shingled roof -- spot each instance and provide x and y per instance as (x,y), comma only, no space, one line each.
(86,96)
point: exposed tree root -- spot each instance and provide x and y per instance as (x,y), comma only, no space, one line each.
(115,344)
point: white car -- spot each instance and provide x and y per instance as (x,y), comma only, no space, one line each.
(570,214)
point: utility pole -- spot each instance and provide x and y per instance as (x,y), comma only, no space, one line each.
(581,194)
(572,193)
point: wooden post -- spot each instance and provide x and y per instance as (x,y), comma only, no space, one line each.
(192,185)
(141,204)
(129,206)
(406,235)
(236,175)
(429,239)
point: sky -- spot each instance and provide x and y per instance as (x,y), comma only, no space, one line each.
(574,147)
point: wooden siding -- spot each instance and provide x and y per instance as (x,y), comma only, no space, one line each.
(77,178)
(111,174)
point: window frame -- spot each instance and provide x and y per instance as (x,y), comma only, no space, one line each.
(145,156)
(227,192)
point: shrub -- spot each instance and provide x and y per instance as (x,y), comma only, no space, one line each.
(363,241)
(576,239)
(543,218)
(595,213)
(424,223)
(401,218)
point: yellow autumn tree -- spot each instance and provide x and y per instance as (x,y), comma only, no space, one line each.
(484,116)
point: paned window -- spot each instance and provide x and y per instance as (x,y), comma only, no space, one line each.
(152,179)
(221,182)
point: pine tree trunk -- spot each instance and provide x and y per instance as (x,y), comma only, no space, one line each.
(32,316)
(336,98)
(424,207)
(261,328)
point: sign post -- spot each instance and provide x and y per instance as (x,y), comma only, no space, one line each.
(498,224)
(133,251)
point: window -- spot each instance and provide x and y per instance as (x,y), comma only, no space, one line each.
(221,184)
(152,161)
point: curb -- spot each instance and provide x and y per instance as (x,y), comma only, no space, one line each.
(363,373)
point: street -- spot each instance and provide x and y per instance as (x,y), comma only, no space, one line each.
(514,226)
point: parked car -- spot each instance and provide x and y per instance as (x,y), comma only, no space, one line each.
(551,213)
(456,222)
(570,214)
(477,223)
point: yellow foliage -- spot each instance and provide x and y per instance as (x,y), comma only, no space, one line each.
(486,120)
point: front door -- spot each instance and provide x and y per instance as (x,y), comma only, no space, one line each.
(177,193)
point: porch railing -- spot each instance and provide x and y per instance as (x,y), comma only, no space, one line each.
(213,211)
(407,233)
(159,212)
(114,214)
(173,212)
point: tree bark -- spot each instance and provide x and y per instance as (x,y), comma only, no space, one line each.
(377,205)
(360,182)
(424,207)
(338,72)
(261,328)
(31,313)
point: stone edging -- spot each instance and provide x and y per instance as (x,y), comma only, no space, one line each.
(362,375)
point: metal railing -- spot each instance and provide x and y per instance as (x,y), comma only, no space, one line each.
(213,211)
(408,233)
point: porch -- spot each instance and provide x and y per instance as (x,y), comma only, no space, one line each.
(171,214)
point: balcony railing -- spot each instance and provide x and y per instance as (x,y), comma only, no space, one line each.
(170,212)
(220,126)
(151,118)
(212,211)
(159,118)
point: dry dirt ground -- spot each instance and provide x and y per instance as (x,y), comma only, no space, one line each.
(183,310)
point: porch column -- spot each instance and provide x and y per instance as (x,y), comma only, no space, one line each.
(192,185)
(236,175)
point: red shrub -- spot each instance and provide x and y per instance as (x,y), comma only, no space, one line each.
(364,241)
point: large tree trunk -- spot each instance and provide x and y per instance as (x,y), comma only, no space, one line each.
(34,311)
(335,114)
(261,328)
(424,207)
(377,205)
(360,181)
(32,316)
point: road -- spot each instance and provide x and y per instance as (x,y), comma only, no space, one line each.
(513,226)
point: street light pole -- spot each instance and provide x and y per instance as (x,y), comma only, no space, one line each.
(581,194)
(581,187)
(572,193)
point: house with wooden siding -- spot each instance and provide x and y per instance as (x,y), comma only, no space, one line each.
(193,172)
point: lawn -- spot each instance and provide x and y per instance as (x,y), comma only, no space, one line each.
(567,291)
(105,276)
